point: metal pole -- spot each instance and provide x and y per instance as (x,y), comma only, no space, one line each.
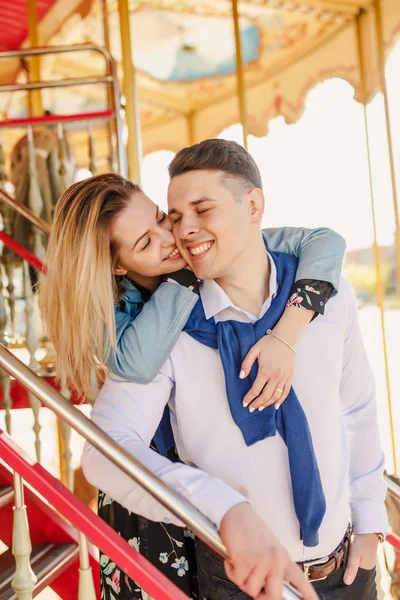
(393,487)
(52,399)
(25,212)
(110,68)
(182,509)
(42,50)
(130,93)
(241,91)
(382,78)
(380,297)
(110,98)
(39,85)
(377,257)
(35,98)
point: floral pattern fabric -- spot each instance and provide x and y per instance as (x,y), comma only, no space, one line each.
(310,294)
(171,549)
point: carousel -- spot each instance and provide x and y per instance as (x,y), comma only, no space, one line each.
(97,85)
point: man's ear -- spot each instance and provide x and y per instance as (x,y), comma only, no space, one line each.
(120,270)
(256,205)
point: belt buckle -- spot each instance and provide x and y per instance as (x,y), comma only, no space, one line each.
(312,563)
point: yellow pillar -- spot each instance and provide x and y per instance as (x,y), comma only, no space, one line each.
(110,96)
(382,78)
(377,256)
(130,93)
(241,90)
(35,96)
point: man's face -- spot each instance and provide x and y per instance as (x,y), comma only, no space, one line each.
(210,221)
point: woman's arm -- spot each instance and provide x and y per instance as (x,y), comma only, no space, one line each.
(320,252)
(146,337)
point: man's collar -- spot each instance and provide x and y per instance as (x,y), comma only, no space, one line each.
(215,299)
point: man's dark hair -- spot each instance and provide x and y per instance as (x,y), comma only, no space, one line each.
(219,155)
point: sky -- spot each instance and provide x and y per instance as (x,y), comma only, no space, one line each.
(315,172)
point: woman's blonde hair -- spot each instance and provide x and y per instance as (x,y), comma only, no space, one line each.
(78,293)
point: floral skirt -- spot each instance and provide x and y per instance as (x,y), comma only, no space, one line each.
(169,548)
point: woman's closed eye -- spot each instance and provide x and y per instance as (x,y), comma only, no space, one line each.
(161,218)
(147,244)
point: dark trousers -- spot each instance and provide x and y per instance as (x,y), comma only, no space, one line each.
(214,584)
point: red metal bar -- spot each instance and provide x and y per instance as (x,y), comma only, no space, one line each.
(23,252)
(129,560)
(23,122)
(394,540)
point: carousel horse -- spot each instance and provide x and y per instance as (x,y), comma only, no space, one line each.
(42,167)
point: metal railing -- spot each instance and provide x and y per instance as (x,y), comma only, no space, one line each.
(110,79)
(182,509)
(393,486)
(25,212)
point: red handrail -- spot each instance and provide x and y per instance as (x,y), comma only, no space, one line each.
(23,252)
(394,540)
(102,535)
(48,119)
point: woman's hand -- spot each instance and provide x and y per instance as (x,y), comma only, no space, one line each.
(275,372)
(275,361)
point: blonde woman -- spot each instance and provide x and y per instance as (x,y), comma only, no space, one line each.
(117,296)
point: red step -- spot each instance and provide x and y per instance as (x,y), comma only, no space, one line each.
(48,528)
(47,562)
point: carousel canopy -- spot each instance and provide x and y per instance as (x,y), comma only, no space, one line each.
(184,55)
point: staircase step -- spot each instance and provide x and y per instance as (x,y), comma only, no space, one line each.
(6,495)
(48,561)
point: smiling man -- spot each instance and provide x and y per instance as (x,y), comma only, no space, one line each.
(281,486)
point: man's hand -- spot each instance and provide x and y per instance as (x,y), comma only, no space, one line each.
(362,553)
(258,563)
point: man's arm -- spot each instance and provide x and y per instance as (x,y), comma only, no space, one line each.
(367,488)
(130,413)
(357,391)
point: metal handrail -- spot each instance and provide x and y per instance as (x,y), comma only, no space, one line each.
(182,509)
(392,485)
(42,50)
(110,78)
(20,122)
(25,212)
(43,85)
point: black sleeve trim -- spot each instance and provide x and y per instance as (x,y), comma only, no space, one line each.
(310,294)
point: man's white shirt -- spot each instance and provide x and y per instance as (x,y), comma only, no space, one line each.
(335,386)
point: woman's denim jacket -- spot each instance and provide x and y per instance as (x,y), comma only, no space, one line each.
(147,331)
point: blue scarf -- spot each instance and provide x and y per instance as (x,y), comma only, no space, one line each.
(234,339)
